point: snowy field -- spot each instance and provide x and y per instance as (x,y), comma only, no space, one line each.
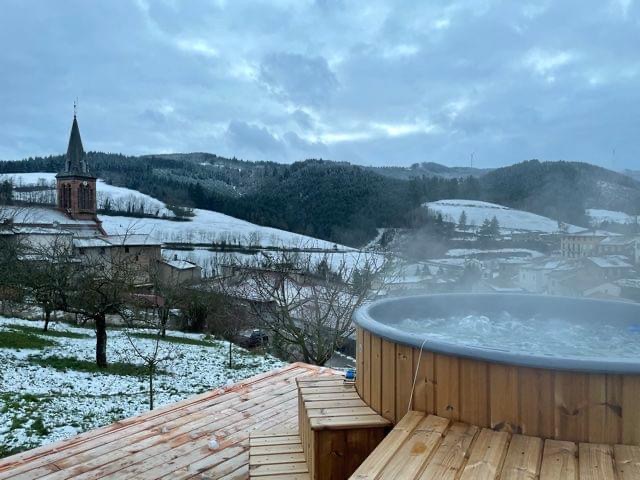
(598,217)
(206,227)
(39,405)
(510,220)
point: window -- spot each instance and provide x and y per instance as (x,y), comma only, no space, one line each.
(126,249)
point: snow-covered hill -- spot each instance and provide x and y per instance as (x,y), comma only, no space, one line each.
(598,217)
(510,220)
(118,198)
(205,227)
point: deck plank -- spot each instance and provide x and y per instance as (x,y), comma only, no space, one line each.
(595,462)
(452,453)
(384,452)
(559,461)
(627,461)
(416,449)
(487,455)
(523,458)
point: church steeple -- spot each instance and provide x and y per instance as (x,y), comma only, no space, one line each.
(75,185)
(75,162)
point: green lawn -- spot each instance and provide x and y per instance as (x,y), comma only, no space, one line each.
(17,339)
(66,363)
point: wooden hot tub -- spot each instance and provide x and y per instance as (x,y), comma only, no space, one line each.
(581,398)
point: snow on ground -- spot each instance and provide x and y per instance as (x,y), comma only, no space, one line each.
(71,402)
(206,227)
(598,216)
(510,220)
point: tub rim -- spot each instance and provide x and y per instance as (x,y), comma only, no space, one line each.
(363,318)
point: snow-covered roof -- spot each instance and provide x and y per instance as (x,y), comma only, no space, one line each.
(611,261)
(618,241)
(180,264)
(36,216)
(589,232)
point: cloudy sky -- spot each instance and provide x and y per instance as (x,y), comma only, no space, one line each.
(371,82)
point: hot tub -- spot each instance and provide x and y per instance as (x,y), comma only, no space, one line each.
(552,367)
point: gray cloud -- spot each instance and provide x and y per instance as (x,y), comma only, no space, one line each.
(374,82)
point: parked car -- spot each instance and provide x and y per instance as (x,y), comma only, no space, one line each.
(252,338)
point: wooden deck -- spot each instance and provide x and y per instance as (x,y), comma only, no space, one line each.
(174,441)
(426,447)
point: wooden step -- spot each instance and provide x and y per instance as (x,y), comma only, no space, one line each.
(338,430)
(277,456)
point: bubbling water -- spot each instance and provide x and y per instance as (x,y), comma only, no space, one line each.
(537,335)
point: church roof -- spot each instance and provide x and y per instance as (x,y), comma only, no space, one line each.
(75,162)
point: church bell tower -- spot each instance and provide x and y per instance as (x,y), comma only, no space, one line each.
(76,187)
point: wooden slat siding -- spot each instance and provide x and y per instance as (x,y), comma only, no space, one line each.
(420,390)
(596,462)
(416,449)
(451,455)
(366,378)
(376,373)
(404,380)
(630,410)
(627,461)
(180,431)
(429,358)
(605,420)
(360,360)
(559,461)
(40,461)
(523,458)
(389,380)
(474,392)
(572,406)
(503,398)
(487,455)
(384,452)
(447,398)
(536,402)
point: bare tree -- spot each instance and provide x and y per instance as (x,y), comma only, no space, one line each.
(105,281)
(47,274)
(311,301)
(149,347)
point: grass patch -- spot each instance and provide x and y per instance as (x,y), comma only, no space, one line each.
(174,339)
(65,363)
(19,340)
(48,333)
(6,451)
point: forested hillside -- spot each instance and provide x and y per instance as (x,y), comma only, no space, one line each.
(345,203)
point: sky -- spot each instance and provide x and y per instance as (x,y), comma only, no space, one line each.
(370,82)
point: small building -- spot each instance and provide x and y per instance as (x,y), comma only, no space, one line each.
(581,244)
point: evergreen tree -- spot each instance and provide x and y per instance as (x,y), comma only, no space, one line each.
(462,221)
